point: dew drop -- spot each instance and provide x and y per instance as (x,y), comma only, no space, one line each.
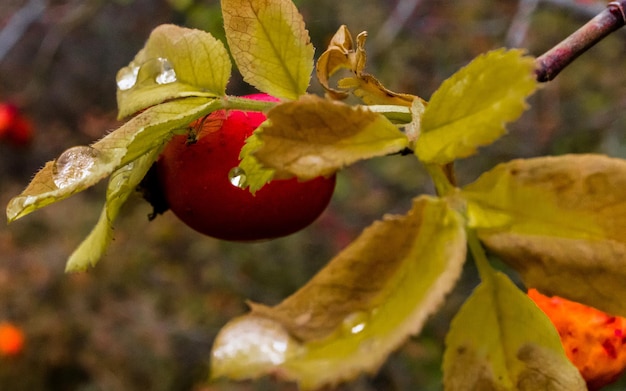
(252,342)
(127,77)
(74,165)
(237,177)
(166,73)
(355,322)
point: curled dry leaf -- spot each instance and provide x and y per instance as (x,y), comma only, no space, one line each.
(356,310)
(560,222)
(342,54)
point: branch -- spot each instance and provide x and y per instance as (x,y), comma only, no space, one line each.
(556,59)
(17,25)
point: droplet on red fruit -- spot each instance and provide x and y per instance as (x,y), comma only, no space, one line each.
(237,177)
(74,165)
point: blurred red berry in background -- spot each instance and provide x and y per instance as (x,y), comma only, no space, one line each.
(15,128)
(11,339)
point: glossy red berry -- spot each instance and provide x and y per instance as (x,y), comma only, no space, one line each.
(198,184)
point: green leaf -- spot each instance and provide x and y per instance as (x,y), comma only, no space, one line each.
(176,62)
(500,340)
(122,184)
(313,136)
(81,167)
(270,45)
(471,108)
(560,222)
(367,301)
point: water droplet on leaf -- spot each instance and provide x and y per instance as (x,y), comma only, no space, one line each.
(252,342)
(74,165)
(166,73)
(127,77)
(157,70)
(237,177)
(355,322)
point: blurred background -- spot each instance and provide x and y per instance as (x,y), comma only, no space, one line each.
(145,317)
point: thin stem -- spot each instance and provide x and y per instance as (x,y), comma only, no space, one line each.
(478,253)
(394,113)
(441,178)
(232,102)
(556,59)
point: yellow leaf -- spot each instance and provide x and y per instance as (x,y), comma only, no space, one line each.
(358,309)
(81,167)
(312,136)
(257,176)
(176,62)
(270,45)
(500,340)
(122,184)
(560,222)
(471,108)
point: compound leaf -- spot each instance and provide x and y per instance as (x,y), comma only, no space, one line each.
(470,108)
(314,136)
(560,222)
(356,310)
(270,45)
(176,62)
(500,340)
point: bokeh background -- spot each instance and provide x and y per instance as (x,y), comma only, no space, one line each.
(145,317)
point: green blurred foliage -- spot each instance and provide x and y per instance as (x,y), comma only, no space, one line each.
(146,316)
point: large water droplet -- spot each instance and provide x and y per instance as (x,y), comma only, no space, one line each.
(74,165)
(355,322)
(237,177)
(156,70)
(127,77)
(252,342)
(166,73)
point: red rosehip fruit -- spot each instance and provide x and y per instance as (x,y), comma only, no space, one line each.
(594,341)
(198,185)
(11,339)
(14,127)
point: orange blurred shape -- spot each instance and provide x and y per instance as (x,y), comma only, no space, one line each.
(594,341)
(11,339)
(14,127)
